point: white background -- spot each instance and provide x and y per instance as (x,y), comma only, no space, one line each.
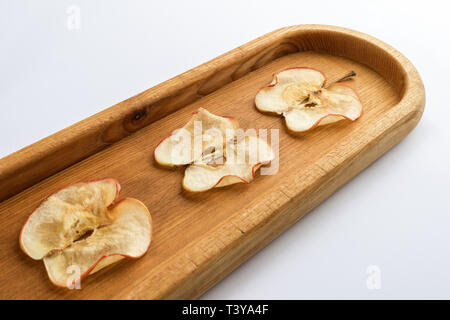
(394,215)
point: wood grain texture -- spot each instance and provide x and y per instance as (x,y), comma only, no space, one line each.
(199,238)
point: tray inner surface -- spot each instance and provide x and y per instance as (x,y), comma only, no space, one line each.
(180,217)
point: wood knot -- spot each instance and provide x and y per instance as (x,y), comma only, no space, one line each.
(136,120)
(139,115)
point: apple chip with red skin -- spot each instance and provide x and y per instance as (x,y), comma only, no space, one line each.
(201,150)
(83,226)
(301,96)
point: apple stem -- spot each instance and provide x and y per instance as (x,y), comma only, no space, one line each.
(347,77)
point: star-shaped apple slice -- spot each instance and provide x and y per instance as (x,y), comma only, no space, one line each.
(303,98)
(208,144)
(83,226)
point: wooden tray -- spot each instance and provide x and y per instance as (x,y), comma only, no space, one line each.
(199,238)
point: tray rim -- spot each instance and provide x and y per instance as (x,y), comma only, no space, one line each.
(277,212)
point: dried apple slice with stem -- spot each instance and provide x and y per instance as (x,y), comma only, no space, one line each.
(178,149)
(302,96)
(83,226)
(242,160)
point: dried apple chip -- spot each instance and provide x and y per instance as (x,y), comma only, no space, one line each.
(203,140)
(82,226)
(301,96)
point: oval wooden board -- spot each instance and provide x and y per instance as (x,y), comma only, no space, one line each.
(199,238)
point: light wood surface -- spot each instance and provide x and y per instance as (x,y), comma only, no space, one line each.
(199,238)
